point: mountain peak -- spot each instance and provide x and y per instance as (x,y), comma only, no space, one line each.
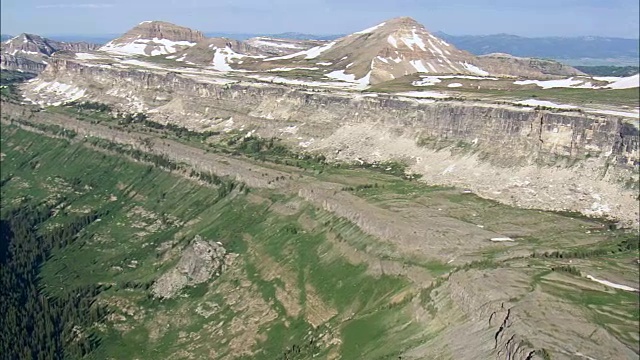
(152,38)
(151,29)
(403,21)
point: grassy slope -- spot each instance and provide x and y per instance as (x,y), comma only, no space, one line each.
(287,270)
(114,251)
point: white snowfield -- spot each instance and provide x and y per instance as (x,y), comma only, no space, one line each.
(584,83)
(138,47)
(436,79)
(369,30)
(613,285)
(308,54)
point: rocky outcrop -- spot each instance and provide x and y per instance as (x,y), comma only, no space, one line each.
(20,63)
(200,262)
(29,53)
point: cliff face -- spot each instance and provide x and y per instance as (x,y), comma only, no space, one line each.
(161,30)
(10,62)
(532,158)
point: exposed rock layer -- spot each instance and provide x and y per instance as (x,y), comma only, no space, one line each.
(569,160)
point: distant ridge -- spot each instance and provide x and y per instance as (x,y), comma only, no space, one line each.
(285,35)
(547,47)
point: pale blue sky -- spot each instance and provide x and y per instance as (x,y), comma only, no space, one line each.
(615,18)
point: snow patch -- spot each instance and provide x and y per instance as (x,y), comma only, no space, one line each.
(138,47)
(502,239)
(611,284)
(550,84)
(221,58)
(369,30)
(415,39)
(419,66)
(454,85)
(391,40)
(60,91)
(626,83)
(428,81)
(474,69)
(342,76)
(309,54)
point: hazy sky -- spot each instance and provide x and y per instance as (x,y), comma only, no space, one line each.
(615,18)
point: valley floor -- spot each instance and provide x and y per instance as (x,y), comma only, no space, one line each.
(320,261)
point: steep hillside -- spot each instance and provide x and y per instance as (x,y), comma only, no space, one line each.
(386,51)
(150,38)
